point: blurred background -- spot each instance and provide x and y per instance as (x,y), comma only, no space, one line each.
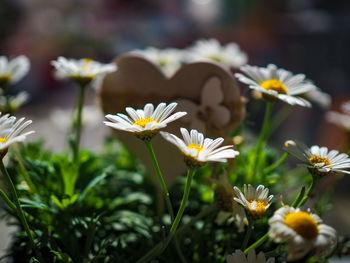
(304,36)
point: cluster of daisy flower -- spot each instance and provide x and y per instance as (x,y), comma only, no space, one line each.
(299,232)
(11,72)
(171,59)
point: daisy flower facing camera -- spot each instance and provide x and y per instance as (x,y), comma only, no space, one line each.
(277,84)
(198,150)
(211,49)
(318,160)
(145,123)
(303,231)
(83,71)
(239,257)
(255,201)
(12,71)
(10,132)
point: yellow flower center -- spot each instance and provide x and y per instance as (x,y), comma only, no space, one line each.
(87,60)
(302,223)
(318,159)
(259,210)
(274,84)
(195,146)
(5,79)
(143,122)
(3,139)
(86,64)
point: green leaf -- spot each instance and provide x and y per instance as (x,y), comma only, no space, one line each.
(92,184)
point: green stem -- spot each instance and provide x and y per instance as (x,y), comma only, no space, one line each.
(160,178)
(261,142)
(25,174)
(165,192)
(160,247)
(79,121)
(299,197)
(19,209)
(190,174)
(280,117)
(308,192)
(275,165)
(247,234)
(7,200)
(257,243)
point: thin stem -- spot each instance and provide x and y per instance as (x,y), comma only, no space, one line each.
(257,243)
(261,142)
(7,200)
(19,209)
(79,121)
(280,117)
(25,174)
(165,192)
(160,247)
(299,197)
(275,165)
(160,178)
(190,173)
(309,191)
(247,234)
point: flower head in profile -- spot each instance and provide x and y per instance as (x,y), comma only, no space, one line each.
(83,71)
(319,160)
(340,119)
(14,102)
(210,49)
(255,201)
(146,123)
(319,97)
(239,257)
(277,84)
(303,231)
(12,71)
(168,59)
(198,150)
(10,132)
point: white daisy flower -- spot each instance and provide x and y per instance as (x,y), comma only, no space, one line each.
(303,232)
(277,84)
(346,107)
(255,201)
(83,70)
(210,49)
(341,119)
(319,97)
(14,101)
(239,257)
(319,160)
(147,122)
(198,150)
(169,59)
(12,71)
(10,132)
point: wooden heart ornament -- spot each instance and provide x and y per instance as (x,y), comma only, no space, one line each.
(206,90)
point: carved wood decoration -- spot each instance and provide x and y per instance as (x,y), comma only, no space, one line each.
(206,90)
